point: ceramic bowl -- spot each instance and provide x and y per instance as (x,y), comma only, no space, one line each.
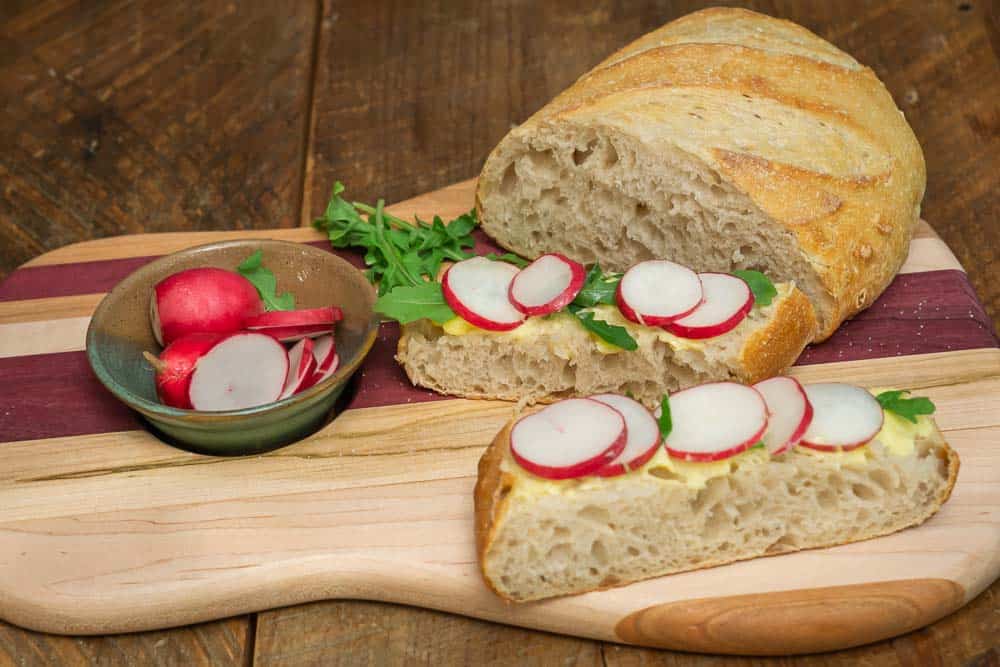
(120,331)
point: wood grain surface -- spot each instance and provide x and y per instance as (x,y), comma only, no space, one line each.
(200,115)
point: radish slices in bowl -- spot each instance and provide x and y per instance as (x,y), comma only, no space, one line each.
(608,435)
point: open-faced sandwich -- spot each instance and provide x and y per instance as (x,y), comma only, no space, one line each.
(590,493)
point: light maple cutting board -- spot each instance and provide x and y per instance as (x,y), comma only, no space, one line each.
(103,528)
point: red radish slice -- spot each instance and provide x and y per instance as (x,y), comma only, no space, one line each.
(204,300)
(571,438)
(477,289)
(657,292)
(727,301)
(296,318)
(715,421)
(325,351)
(643,435)
(293,334)
(242,370)
(301,366)
(845,417)
(176,364)
(546,285)
(790,413)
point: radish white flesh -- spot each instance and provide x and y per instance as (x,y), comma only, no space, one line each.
(715,421)
(477,290)
(789,413)
(546,285)
(727,300)
(327,315)
(293,334)
(301,366)
(571,438)
(642,439)
(657,292)
(319,376)
(844,417)
(176,364)
(242,370)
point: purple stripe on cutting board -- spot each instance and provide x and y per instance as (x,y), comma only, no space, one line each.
(919,313)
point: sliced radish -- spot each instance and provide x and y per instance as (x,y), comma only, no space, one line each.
(727,300)
(242,370)
(293,334)
(789,412)
(546,285)
(845,417)
(301,366)
(657,292)
(477,290)
(715,421)
(295,318)
(325,353)
(176,364)
(643,435)
(571,438)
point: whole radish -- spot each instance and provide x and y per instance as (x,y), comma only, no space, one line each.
(204,300)
(176,364)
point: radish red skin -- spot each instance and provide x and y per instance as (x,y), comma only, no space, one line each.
(294,334)
(578,274)
(613,470)
(203,300)
(469,316)
(179,360)
(327,315)
(711,331)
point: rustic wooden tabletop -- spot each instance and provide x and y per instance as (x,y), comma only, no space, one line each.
(127,116)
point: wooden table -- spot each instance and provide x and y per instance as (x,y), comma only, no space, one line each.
(124,116)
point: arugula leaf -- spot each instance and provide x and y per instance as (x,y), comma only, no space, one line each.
(263,279)
(397,253)
(761,286)
(508,257)
(598,288)
(408,303)
(760,445)
(609,333)
(907,408)
(664,421)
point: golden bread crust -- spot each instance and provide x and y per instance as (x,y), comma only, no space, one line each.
(492,487)
(775,347)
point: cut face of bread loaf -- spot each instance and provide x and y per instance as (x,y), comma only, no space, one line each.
(550,358)
(540,538)
(724,140)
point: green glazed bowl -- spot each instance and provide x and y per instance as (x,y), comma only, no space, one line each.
(120,332)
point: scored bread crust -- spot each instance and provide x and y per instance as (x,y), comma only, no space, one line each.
(466,365)
(493,486)
(845,207)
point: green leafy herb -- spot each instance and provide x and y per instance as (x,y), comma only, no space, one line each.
(609,333)
(907,408)
(665,422)
(759,445)
(598,288)
(408,303)
(253,270)
(397,252)
(761,286)
(508,257)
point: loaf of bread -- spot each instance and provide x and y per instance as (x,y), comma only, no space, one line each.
(554,357)
(723,140)
(542,538)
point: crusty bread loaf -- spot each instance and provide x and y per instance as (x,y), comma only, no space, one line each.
(538,539)
(723,140)
(562,359)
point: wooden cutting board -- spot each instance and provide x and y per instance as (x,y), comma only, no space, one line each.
(103,528)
